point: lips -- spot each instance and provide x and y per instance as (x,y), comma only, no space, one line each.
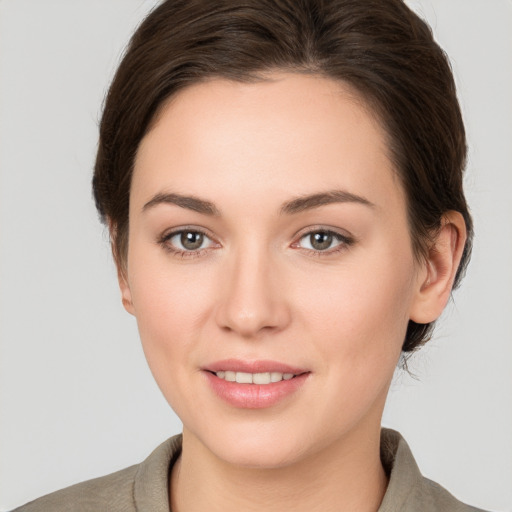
(261,366)
(262,378)
(254,384)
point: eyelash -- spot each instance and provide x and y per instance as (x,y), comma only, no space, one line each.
(344,242)
(165,239)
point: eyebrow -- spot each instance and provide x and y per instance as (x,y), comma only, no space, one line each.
(309,202)
(188,202)
(296,205)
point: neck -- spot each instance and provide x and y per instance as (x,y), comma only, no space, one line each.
(345,476)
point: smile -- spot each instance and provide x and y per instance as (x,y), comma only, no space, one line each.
(254,384)
(254,378)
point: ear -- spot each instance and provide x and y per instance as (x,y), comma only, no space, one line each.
(438,270)
(122,271)
(124,286)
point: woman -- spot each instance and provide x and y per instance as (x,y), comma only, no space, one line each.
(283,187)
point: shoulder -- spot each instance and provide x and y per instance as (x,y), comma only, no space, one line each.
(408,490)
(139,487)
(432,496)
(111,492)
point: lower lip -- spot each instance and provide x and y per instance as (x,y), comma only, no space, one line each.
(254,396)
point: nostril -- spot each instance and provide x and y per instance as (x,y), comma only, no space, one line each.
(250,303)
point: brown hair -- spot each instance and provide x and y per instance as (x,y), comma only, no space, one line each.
(381,48)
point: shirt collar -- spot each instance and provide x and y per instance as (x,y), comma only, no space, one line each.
(151,485)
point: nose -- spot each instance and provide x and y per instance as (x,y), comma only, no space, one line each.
(252,296)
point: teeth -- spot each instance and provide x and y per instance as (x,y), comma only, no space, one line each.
(254,378)
(276,377)
(261,378)
(244,378)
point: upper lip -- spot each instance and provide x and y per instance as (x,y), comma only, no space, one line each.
(260,366)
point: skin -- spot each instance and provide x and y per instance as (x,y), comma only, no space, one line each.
(259,290)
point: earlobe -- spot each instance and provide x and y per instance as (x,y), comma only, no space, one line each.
(435,278)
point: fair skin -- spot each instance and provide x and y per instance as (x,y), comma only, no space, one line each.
(226,261)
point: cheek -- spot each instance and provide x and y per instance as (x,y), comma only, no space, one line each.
(360,313)
(358,321)
(171,303)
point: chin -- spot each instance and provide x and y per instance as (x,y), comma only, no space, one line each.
(259,445)
(262,454)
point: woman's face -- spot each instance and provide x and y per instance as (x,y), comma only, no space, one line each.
(268,238)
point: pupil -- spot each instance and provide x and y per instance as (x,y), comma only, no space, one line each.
(321,241)
(192,240)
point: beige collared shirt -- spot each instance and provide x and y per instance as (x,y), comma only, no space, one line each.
(144,487)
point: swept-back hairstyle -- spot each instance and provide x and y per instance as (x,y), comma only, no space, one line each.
(379,47)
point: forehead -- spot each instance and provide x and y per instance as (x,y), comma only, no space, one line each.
(289,131)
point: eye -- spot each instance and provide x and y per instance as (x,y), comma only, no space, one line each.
(322,241)
(187,241)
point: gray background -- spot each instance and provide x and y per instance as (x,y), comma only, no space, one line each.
(76,397)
